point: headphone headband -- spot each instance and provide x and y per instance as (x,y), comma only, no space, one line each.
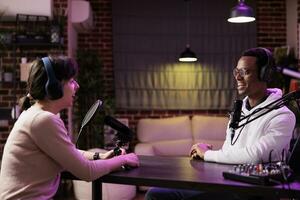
(53,87)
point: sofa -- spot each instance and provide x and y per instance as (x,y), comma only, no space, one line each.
(174,136)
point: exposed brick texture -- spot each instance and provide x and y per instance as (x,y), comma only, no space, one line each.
(10,58)
(271,32)
(271,23)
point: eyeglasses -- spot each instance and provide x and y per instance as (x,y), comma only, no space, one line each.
(242,72)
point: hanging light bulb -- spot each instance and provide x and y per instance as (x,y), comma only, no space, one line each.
(241,13)
(187,55)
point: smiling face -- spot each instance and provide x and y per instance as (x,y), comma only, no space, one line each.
(246,76)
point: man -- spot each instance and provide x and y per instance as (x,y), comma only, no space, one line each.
(253,142)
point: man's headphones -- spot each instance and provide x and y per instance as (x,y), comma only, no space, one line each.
(53,86)
(267,69)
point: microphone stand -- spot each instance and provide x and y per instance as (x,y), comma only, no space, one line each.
(121,140)
(123,135)
(271,106)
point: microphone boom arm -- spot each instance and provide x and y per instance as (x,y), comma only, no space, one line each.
(274,105)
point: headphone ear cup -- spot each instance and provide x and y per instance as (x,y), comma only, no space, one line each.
(263,75)
(54,90)
(53,87)
(267,70)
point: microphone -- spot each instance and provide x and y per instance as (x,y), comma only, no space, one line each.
(124,134)
(235,117)
(236,114)
(288,72)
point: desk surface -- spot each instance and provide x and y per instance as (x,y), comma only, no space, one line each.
(181,172)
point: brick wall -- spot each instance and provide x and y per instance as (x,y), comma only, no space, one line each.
(271,23)
(271,32)
(100,39)
(10,57)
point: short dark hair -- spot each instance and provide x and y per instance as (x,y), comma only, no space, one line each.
(264,59)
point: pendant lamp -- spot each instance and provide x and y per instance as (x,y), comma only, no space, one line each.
(187,55)
(241,13)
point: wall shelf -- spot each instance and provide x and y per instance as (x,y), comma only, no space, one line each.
(31,38)
(44,44)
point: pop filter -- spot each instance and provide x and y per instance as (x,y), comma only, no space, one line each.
(88,116)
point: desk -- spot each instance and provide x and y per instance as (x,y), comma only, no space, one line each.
(181,172)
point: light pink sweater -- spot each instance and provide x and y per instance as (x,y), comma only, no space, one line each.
(37,150)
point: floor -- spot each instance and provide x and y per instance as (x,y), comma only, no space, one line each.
(139,196)
(65,192)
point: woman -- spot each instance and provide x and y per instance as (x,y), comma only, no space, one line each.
(39,147)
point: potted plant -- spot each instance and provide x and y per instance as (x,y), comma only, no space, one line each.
(2,11)
(8,74)
(5,37)
(57,25)
(91,89)
(285,57)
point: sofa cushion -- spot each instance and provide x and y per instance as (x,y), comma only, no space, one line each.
(209,129)
(166,129)
(173,148)
(145,149)
(165,148)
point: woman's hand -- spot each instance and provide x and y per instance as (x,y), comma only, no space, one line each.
(111,154)
(198,150)
(131,160)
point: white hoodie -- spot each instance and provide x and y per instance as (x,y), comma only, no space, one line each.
(272,131)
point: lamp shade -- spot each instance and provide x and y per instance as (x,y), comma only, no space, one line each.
(188,56)
(241,13)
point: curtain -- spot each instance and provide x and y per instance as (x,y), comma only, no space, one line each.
(148,37)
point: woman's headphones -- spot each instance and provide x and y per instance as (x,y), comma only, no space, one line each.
(53,86)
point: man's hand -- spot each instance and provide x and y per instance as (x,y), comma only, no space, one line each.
(198,150)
